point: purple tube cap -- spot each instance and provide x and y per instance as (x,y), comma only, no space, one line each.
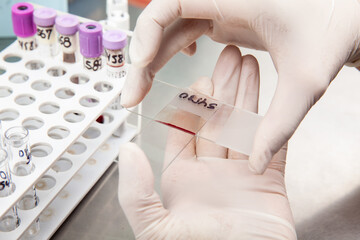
(90,37)
(66,24)
(114,39)
(22,19)
(44,17)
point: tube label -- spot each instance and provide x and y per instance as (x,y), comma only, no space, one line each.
(115,61)
(27,44)
(93,64)
(68,43)
(115,58)
(45,35)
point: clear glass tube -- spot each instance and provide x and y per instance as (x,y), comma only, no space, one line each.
(6,185)
(17,141)
(10,220)
(27,202)
(33,230)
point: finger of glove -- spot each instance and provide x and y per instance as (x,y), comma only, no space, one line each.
(141,204)
(294,96)
(248,93)
(179,35)
(178,139)
(156,17)
(225,80)
(190,50)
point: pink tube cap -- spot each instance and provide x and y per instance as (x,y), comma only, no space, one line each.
(67,24)
(44,17)
(114,39)
(22,19)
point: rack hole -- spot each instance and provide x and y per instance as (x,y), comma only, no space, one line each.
(12,58)
(58,132)
(74,116)
(105,118)
(62,165)
(79,79)
(103,87)
(91,133)
(41,150)
(33,123)
(49,108)
(56,71)
(2,71)
(18,78)
(89,101)
(41,85)
(9,115)
(45,183)
(77,148)
(28,201)
(64,93)
(25,99)
(34,65)
(5,92)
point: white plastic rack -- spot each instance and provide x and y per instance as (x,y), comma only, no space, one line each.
(59,103)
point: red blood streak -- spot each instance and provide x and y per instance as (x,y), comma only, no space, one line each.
(174,126)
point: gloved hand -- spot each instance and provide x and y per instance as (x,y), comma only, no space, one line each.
(309,42)
(208,191)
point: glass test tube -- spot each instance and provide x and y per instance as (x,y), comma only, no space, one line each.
(10,220)
(44,18)
(91,47)
(114,42)
(67,27)
(27,202)
(23,25)
(17,141)
(6,185)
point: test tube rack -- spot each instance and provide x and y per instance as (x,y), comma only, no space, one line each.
(59,103)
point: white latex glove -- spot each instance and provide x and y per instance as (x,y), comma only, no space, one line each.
(309,42)
(209,193)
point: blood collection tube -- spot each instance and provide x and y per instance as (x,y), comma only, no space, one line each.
(23,25)
(44,18)
(67,27)
(91,47)
(114,43)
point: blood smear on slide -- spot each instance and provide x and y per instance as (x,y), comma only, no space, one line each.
(174,126)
